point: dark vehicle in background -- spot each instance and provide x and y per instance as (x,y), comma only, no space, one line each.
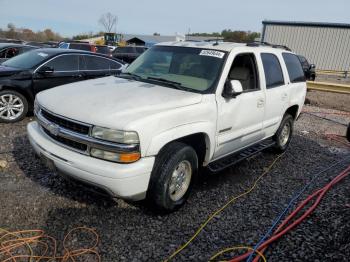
(128,53)
(43,44)
(78,45)
(9,50)
(25,75)
(103,49)
(309,69)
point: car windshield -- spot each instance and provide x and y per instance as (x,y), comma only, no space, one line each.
(26,60)
(193,69)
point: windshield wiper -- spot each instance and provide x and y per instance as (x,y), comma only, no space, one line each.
(133,76)
(177,85)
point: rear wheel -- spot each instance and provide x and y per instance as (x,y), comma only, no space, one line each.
(172,176)
(348,133)
(284,134)
(13,106)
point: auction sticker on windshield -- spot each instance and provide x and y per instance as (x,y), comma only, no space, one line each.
(212,53)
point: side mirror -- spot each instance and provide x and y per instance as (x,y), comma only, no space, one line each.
(45,70)
(312,66)
(232,89)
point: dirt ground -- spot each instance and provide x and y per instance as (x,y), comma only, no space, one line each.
(329,100)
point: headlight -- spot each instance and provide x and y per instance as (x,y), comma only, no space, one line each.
(123,137)
(115,157)
(36,107)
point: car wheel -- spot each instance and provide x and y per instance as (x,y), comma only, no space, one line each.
(172,176)
(13,106)
(348,133)
(284,134)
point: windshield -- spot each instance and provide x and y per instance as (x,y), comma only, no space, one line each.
(194,69)
(26,60)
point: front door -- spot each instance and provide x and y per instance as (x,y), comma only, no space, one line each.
(65,70)
(240,119)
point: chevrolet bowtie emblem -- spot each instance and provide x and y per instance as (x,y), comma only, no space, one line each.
(53,129)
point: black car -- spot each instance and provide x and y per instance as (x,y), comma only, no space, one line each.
(103,49)
(9,50)
(128,53)
(309,69)
(23,76)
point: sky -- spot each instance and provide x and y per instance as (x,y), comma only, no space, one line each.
(71,17)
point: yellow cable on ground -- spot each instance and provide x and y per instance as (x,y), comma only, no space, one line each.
(221,209)
(237,248)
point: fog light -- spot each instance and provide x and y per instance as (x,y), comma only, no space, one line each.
(115,157)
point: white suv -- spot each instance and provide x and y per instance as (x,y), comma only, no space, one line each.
(178,107)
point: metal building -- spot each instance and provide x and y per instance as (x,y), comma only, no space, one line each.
(325,44)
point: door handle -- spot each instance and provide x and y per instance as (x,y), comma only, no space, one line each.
(260,103)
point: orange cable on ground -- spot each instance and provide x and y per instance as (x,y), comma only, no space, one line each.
(35,245)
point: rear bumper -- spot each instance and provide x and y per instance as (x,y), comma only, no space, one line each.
(127,181)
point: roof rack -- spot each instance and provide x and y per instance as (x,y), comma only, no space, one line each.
(258,43)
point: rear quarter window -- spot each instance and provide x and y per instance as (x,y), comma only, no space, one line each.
(295,70)
(272,69)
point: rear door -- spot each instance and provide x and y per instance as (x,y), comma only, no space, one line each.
(65,70)
(277,91)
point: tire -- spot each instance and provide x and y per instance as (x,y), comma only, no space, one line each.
(348,133)
(284,134)
(162,193)
(17,104)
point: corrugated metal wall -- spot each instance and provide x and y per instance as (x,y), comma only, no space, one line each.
(327,47)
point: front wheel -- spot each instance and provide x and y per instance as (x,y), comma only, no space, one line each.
(13,106)
(284,134)
(172,176)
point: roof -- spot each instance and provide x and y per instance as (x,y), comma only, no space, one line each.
(223,46)
(4,45)
(309,24)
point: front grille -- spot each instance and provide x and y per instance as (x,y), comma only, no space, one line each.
(62,122)
(67,142)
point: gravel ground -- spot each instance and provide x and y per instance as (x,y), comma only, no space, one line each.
(33,197)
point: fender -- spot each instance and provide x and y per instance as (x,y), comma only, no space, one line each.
(162,139)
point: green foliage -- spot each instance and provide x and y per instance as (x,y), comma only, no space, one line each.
(232,36)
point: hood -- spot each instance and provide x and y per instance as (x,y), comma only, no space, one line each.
(113,102)
(9,71)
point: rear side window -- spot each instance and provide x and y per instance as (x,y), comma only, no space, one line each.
(64,63)
(95,63)
(114,65)
(273,70)
(294,68)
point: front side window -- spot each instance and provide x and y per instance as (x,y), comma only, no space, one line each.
(273,70)
(64,63)
(194,69)
(295,71)
(244,69)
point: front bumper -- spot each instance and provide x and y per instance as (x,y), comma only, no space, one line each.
(127,181)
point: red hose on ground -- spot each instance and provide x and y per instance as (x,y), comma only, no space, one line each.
(280,231)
